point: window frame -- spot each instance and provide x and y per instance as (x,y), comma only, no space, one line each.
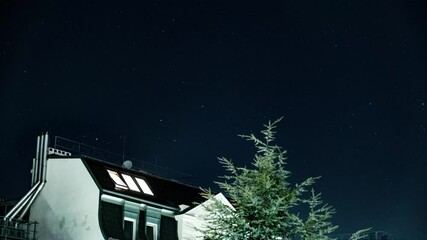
(130,182)
(144,186)
(118,182)
(133,221)
(127,181)
(155,229)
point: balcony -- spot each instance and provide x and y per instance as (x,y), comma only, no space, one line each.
(17,230)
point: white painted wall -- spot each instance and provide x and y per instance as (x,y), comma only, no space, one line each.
(67,207)
(191,221)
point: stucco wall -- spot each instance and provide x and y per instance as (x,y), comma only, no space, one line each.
(191,222)
(187,227)
(67,207)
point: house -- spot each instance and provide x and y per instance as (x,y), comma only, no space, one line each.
(79,197)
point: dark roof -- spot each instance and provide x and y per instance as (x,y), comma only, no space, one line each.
(167,192)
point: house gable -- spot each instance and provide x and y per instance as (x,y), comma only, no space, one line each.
(67,206)
(193,219)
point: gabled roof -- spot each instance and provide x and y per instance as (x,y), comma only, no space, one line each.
(166,192)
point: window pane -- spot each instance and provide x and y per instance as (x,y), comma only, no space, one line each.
(117,180)
(150,233)
(144,186)
(128,230)
(168,228)
(130,182)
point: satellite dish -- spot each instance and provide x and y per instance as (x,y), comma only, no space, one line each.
(127,164)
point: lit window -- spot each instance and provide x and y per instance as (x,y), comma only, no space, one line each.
(117,180)
(129,181)
(144,186)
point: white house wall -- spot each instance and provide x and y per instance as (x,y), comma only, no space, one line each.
(67,207)
(191,222)
(187,227)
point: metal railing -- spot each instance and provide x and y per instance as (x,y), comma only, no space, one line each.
(117,159)
(17,230)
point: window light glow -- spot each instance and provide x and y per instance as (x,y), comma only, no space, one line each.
(144,186)
(117,180)
(129,181)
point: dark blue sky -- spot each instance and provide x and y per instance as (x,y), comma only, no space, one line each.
(181,79)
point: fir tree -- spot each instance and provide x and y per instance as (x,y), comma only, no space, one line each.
(361,234)
(263,198)
(318,225)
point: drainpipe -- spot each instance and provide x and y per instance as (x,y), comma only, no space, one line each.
(40,163)
(38,178)
(46,137)
(32,172)
(35,168)
(18,206)
(31,200)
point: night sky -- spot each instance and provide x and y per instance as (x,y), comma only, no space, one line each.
(181,79)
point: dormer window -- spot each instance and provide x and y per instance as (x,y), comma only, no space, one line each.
(129,181)
(117,180)
(133,183)
(144,186)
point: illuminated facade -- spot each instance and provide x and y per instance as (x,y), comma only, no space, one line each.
(77,197)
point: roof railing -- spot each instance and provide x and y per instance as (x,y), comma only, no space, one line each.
(118,159)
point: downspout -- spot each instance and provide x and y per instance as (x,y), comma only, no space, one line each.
(40,168)
(24,203)
(45,156)
(32,198)
(32,172)
(18,206)
(42,177)
(35,168)
(38,178)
